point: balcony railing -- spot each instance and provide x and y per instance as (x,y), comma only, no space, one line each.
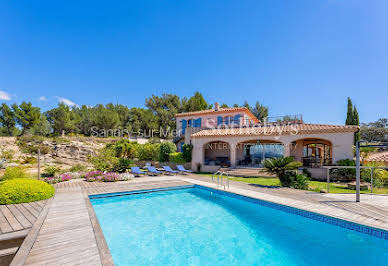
(315,162)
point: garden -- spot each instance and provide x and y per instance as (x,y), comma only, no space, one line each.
(17,186)
(287,173)
(109,164)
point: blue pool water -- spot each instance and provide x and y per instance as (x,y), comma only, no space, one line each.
(193,226)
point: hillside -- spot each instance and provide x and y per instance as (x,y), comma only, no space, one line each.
(63,151)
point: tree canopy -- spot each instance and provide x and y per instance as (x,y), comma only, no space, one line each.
(375,131)
(158,114)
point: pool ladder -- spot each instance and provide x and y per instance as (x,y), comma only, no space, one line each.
(220,179)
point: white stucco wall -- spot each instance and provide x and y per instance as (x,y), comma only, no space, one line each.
(342,144)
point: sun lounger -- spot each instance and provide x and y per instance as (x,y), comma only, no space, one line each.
(152,170)
(169,170)
(181,168)
(136,171)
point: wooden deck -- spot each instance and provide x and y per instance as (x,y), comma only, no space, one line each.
(70,234)
(18,217)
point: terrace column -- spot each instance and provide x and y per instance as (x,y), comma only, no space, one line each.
(287,149)
(197,154)
(232,154)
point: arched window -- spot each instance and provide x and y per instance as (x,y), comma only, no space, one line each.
(316,153)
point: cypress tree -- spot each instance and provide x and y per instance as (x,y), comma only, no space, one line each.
(349,115)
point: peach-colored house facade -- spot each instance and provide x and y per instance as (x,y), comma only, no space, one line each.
(232,137)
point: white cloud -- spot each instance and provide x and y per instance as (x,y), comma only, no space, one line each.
(42,98)
(4,96)
(66,101)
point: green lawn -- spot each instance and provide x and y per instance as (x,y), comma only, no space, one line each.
(262,181)
(313,185)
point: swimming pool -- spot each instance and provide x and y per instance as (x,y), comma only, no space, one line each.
(201,226)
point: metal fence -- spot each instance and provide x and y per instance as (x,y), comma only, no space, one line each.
(371,169)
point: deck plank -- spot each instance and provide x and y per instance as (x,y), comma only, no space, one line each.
(19,216)
(35,206)
(13,222)
(31,218)
(5,227)
(31,209)
(16,217)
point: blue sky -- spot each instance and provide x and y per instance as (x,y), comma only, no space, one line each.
(297,57)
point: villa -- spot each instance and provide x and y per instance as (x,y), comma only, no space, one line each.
(234,137)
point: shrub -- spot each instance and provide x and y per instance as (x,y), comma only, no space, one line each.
(344,173)
(50,180)
(176,157)
(306,173)
(93,176)
(300,182)
(102,177)
(125,148)
(110,177)
(15,172)
(78,168)
(29,160)
(33,148)
(51,171)
(380,176)
(24,190)
(104,160)
(65,177)
(187,151)
(281,167)
(149,152)
(165,149)
(61,178)
(122,165)
(6,154)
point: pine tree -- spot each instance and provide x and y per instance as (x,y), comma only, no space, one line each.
(26,115)
(349,115)
(7,119)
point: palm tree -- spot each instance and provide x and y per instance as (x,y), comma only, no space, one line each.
(280,166)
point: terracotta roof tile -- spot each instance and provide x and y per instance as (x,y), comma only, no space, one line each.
(378,157)
(275,130)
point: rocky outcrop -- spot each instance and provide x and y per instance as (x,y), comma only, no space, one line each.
(68,151)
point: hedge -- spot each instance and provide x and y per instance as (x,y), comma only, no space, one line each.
(23,190)
(176,157)
(165,149)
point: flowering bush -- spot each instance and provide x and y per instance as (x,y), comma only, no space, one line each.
(101,177)
(50,180)
(93,176)
(78,175)
(124,176)
(65,177)
(60,178)
(110,177)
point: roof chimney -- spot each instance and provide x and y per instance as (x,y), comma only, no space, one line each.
(216,106)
